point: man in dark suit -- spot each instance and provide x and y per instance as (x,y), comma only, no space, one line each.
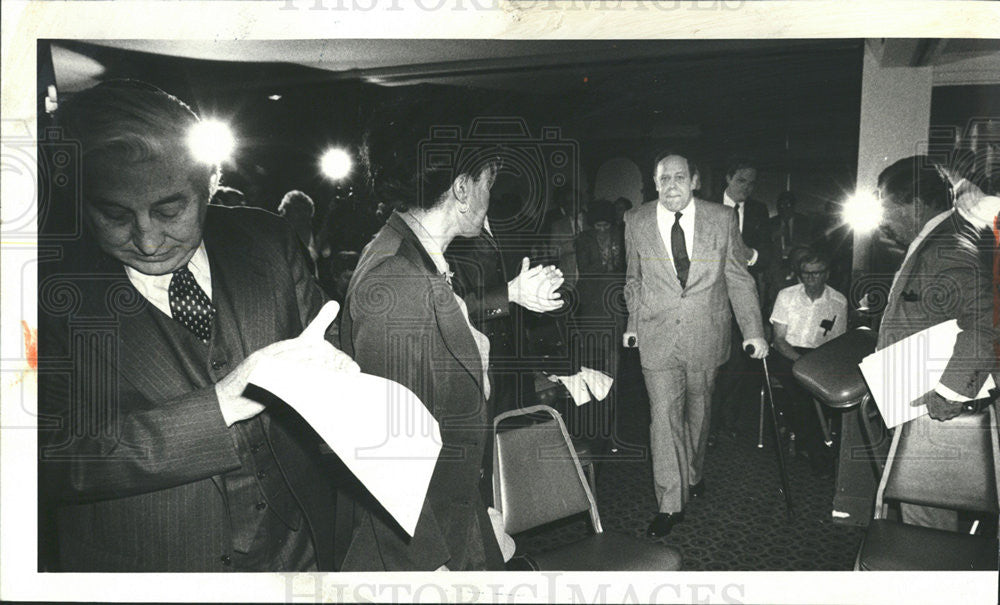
(946,274)
(686,275)
(152,453)
(738,380)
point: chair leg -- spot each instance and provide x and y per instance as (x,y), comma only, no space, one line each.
(589,471)
(823,424)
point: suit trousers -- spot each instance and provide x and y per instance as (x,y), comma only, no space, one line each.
(680,409)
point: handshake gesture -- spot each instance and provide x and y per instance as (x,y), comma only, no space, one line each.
(535,288)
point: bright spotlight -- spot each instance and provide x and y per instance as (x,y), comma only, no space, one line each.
(211,141)
(336,164)
(862,212)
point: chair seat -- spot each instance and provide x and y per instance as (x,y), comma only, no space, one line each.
(611,552)
(830,372)
(893,546)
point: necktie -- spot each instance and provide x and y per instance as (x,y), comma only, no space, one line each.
(189,304)
(739,227)
(679,250)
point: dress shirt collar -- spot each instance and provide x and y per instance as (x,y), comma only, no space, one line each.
(822,297)
(728,200)
(156,288)
(665,220)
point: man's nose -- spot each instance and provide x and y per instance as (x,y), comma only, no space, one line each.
(146,237)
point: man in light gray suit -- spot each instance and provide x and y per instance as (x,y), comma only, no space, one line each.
(686,264)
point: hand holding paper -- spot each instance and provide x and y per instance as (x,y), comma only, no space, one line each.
(380,430)
(310,350)
(903,375)
(937,406)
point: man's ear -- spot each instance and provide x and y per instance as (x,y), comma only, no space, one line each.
(460,187)
(695,181)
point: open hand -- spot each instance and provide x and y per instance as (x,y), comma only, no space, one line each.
(535,288)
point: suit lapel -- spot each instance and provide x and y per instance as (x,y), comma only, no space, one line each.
(704,236)
(451,323)
(238,276)
(649,226)
(906,274)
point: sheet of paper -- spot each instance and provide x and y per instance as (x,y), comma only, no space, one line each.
(599,383)
(587,384)
(380,429)
(577,388)
(908,369)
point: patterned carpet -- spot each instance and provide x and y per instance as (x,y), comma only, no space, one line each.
(739,524)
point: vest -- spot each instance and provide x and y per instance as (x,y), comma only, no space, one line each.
(265,519)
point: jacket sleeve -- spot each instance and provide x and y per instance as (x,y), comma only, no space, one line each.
(965,281)
(740,284)
(99,442)
(392,335)
(633,275)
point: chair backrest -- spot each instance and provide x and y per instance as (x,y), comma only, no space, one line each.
(537,477)
(948,464)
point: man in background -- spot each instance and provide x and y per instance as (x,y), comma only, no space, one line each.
(739,380)
(298,209)
(805,316)
(686,275)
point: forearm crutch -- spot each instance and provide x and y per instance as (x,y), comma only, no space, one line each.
(777,437)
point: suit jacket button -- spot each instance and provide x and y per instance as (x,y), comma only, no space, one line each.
(678,322)
(261,505)
(226,560)
(218,364)
(261,475)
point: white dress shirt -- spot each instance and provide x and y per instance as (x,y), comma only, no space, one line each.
(156,288)
(665,222)
(728,201)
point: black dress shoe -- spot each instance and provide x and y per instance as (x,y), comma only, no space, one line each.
(697,490)
(663,523)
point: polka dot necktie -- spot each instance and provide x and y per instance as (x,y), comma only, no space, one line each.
(190,305)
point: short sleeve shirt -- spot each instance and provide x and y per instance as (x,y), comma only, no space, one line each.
(811,323)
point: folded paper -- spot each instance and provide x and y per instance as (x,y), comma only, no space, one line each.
(905,371)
